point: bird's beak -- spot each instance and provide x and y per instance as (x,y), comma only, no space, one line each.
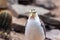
(32,15)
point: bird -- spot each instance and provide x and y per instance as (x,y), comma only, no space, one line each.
(34,29)
(5,23)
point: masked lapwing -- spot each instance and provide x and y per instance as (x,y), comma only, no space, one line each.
(34,28)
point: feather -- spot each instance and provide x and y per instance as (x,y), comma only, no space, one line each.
(34,30)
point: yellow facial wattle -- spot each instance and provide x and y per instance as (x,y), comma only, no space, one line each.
(32,15)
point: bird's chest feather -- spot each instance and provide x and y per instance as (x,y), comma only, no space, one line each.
(34,26)
(34,30)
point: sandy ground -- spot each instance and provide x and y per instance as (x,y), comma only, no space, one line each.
(20,21)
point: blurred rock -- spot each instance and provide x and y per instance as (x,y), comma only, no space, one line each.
(48,4)
(3,3)
(19,24)
(53,34)
(50,23)
(13,1)
(18,28)
(23,10)
(49,15)
(19,21)
(56,11)
(57,3)
(47,39)
(25,2)
(1,39)
(22,16)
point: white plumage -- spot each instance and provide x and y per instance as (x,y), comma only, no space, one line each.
(34,30)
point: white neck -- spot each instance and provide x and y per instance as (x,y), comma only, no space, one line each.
(36,18)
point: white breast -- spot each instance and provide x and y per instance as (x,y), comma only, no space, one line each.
(34,31)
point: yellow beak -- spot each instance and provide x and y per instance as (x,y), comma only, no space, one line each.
(32,15)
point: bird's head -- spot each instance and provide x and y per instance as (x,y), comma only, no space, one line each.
(32,13)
